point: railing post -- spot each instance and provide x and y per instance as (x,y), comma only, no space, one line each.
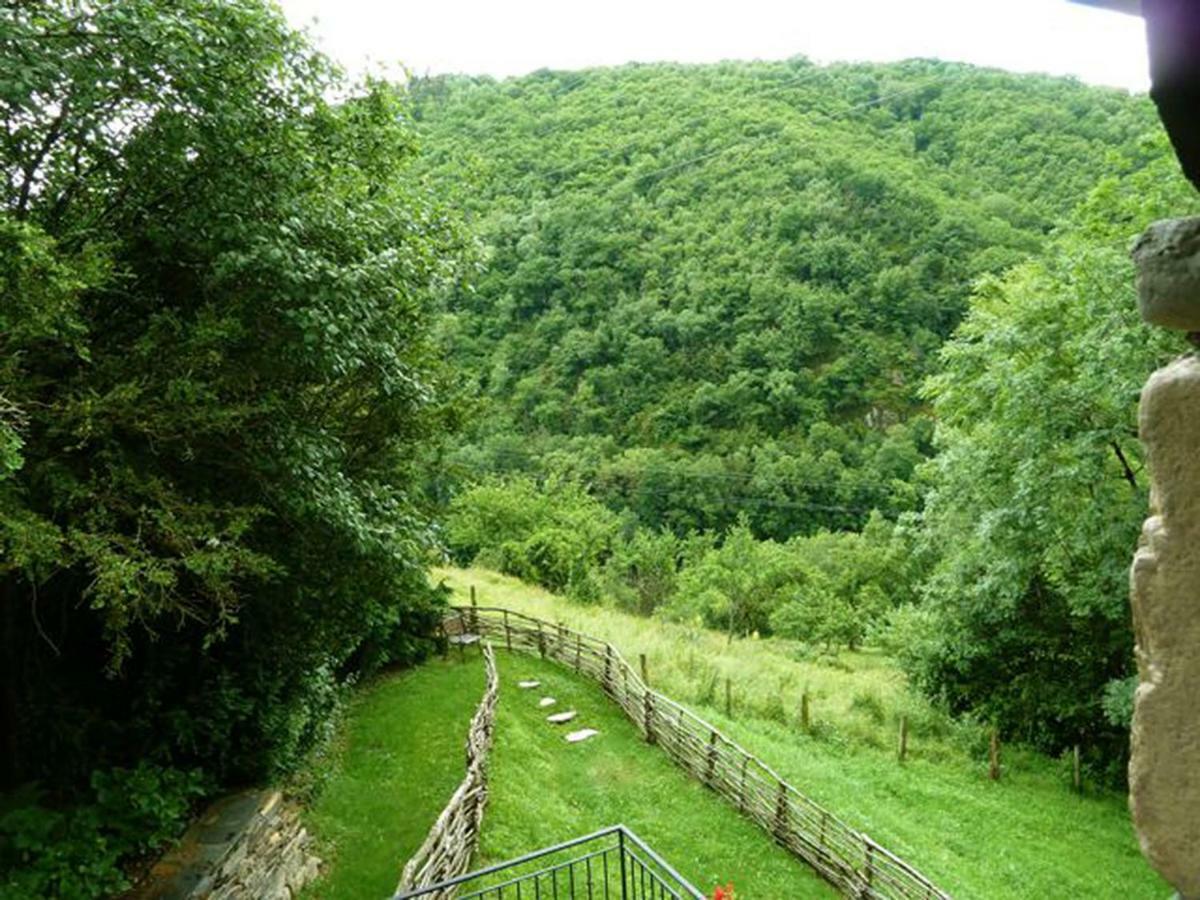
(474,612)
(507,632)
(578,649)
(541,640)
(608,668)
(621,856)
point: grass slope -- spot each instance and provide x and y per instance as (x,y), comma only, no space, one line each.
(398,759)
(1028,836)
(545,791)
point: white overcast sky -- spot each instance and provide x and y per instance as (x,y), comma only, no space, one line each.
(513,37)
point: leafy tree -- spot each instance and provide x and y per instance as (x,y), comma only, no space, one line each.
(552,534)
(1038,491)
(217,372)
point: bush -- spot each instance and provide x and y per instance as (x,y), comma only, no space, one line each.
(552,534)
(77,850)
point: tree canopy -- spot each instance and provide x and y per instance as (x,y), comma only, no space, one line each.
(218,274)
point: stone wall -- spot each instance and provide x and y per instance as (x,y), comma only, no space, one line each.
(247,846)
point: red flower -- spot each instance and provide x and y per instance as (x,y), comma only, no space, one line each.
(723,893)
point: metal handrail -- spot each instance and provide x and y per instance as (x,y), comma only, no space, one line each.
(681,888)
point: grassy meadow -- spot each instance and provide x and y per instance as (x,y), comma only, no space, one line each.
(1027,836)
(396,760)
(544,791)
(399,757)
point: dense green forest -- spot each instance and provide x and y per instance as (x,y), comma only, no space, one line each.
(716,290)
(844,353)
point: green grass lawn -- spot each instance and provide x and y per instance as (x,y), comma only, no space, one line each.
(397,760)
(1028,836)
(544,791)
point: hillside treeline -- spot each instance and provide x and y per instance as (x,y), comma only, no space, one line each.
(845,353)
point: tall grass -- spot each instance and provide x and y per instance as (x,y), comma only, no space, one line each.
(1027,836)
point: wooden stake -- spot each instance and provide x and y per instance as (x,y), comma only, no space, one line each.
(804,711)
(712,758)
(728,698)
(648,715)
(903,750)
(994,756)
(645,675)
(1077,773)
(781,813)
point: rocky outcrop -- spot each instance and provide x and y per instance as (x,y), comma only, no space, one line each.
(1164,770)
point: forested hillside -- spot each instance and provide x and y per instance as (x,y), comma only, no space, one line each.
(714,290)
(844,354)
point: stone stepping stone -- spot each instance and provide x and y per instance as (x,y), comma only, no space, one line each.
(526,685)
(546,701)
(559,718)
(581,735)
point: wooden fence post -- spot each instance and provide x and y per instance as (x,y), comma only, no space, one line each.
(728,698)
(1078,775)
(994,756)
(647,700)
(742,785)
(445,639)
(804,711)
(781,814)
(578,649)
(474,612)
(608,668)
(541,640)
(648,714)
(712,758)
(507,632)
(462,632)
(902,751)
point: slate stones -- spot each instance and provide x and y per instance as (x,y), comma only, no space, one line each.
(546,701)
(560,718)
(526,685)
(581,735)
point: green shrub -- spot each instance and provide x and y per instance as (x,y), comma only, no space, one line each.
(77,850)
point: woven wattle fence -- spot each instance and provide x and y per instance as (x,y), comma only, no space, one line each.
(451,842)
(846,858)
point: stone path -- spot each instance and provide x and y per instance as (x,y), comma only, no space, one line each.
(559,718)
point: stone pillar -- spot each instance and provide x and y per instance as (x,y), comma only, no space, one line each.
(1164,770)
